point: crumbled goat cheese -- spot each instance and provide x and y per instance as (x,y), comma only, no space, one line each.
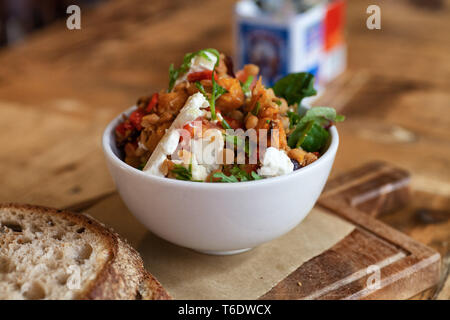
(275,163)
(192,110)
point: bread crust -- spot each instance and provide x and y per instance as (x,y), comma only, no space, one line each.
(123,276)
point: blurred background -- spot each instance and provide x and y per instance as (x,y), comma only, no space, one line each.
(59,88)
(18,18)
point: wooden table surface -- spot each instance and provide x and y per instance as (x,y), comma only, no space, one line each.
(60,88)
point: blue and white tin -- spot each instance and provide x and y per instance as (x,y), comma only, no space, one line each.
(281,43)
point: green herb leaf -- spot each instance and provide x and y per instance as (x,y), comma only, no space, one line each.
(294,118)
(246,85)
(310,137)
(200,88)
(225,124)
(255,110)
(309,132)
(339,118)
(175,73)
(182,173)
(224,177)
(295,86)
(297,137)
(315,138)
(216,92)
(214,52)
(237,174)
(173,76)
(238,142)
(217,89)
(321,115)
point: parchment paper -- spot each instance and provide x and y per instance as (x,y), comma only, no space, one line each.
(187,274)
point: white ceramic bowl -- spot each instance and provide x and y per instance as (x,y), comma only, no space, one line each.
(219,218)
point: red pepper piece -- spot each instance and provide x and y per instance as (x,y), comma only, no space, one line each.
(189,127)
(123,127)
(202,75)
(136,118)
(153,102)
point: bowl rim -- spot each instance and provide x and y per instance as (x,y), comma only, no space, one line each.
(107,150)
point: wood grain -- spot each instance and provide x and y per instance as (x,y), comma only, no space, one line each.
(345,271)
(375,188)
(117,57)
(406,266)
(51,158)
(59,88)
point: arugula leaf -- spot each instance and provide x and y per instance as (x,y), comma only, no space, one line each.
(321,115)
(315,138)
(175,73)
(295,86)
(310,137)
(297,137)
(182,173)
(309,132)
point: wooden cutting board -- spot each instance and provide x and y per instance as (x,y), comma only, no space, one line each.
(349,269)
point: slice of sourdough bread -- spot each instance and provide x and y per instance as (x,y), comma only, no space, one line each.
(53,254)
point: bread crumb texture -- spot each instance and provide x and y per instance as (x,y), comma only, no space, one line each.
(47,256)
